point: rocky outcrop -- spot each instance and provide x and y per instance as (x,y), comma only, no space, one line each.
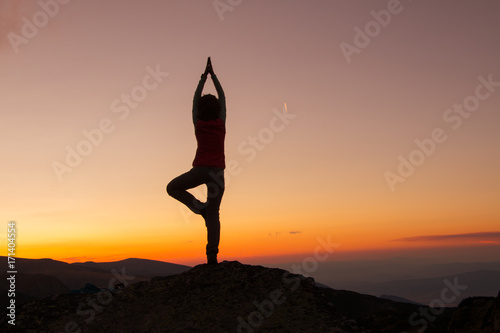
(228,297)
(476,314)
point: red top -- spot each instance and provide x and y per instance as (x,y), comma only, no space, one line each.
(210,136)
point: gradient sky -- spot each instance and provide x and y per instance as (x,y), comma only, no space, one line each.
(320,173)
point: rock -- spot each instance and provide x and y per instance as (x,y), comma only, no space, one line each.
(476,314)
(228,297)
(233,297)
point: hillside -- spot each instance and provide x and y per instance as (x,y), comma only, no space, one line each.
(227,297)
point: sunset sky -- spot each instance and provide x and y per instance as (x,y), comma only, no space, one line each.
(372,124)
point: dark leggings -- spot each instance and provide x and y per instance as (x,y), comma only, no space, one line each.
(214,179)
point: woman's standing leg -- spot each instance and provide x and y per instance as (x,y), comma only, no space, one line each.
(215,191)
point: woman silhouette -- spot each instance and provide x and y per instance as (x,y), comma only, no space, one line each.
(209,119)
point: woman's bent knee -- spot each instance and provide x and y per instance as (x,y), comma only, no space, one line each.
(170,189)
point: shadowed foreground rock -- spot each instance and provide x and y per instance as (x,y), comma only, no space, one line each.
(476,314)
(228,297)
(221,298)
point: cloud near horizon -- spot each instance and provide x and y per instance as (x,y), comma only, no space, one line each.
(277,233)
(484,237)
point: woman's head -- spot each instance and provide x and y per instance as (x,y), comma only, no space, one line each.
(208,107)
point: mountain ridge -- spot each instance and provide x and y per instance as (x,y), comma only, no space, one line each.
(476,283)
(76,275)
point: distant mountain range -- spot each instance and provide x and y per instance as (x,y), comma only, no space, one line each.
(398,299)
(414,279)
(424,291)
(38,278)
